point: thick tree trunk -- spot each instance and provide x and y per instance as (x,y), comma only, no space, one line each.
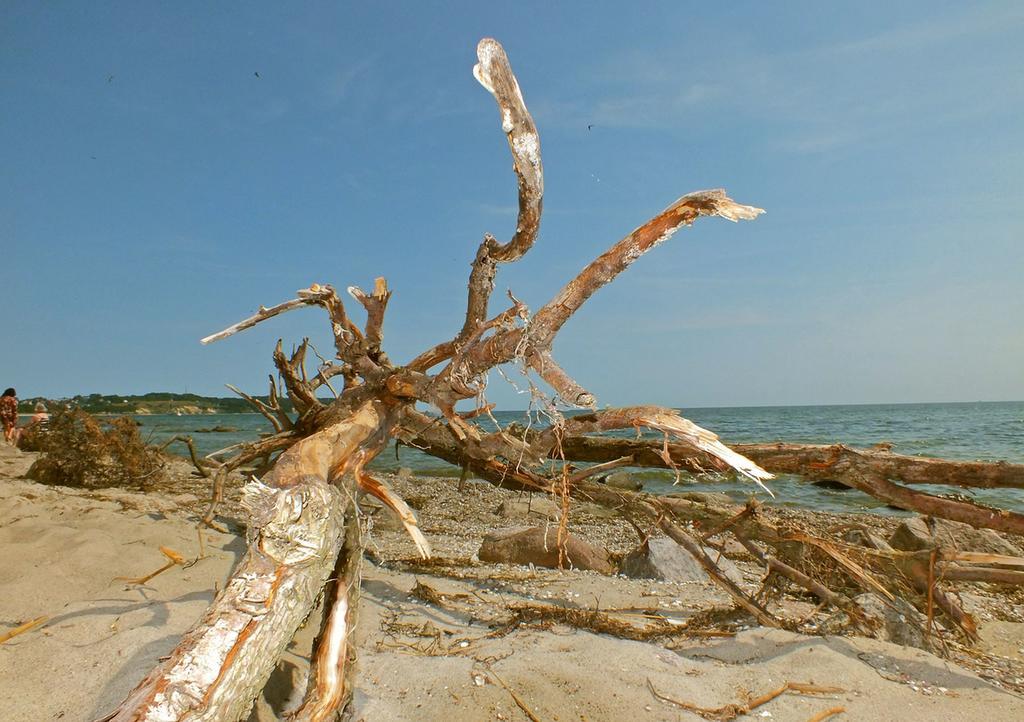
(270,592)
(295,536)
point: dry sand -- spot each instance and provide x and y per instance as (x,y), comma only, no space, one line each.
(61,549)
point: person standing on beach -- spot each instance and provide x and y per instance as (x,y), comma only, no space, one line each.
(27,436)
(9,414)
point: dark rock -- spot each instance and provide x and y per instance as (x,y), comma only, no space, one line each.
(830,484)
(928,532)
(662,558)
(539,546)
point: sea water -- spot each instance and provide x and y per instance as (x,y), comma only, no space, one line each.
(989,431)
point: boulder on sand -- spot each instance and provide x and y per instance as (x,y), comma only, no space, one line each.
(539,546)
(662,558)
(924,533)
(895,621)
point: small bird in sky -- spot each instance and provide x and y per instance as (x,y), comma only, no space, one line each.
(256,74)
(589,127)
(110,78)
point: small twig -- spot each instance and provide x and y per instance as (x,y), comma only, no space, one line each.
(681,537)
(187,440)
(728,712)
(825,714)
(515,697)
(174,559)
(931,593)
(732,521)
(23,628)
(269,412)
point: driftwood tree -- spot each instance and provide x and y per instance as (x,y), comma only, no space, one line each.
(304,529)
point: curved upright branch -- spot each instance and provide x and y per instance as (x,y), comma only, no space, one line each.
(494,72)
(375,304)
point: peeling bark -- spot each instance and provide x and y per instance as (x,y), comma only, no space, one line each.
(296,534)
(292,550)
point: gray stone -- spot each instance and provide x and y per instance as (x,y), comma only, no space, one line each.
(578,508)
(918,535)
(704,497)
(536,508)
(623,480)
(386,520)
(661,558)
(895,621)
(539,546)
(864,538)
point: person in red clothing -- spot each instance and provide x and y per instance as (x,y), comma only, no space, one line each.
(9,414)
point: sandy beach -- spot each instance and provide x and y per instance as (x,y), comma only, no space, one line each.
(435,640)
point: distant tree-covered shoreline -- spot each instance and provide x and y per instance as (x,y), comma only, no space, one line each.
(156,402)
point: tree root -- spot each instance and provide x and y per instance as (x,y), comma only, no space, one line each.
(728,712)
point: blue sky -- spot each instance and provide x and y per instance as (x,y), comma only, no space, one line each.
(154,189)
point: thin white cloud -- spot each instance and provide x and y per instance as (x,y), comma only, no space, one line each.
(496,209)
(816,99)
(338,84)
(972,23)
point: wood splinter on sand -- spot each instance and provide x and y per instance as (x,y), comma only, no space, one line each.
(303,531)
(22,628)
(174,559)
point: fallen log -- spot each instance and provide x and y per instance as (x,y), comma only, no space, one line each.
(818,461)
(869,470)
(813,461)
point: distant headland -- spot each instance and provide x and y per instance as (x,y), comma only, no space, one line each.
(157,402)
